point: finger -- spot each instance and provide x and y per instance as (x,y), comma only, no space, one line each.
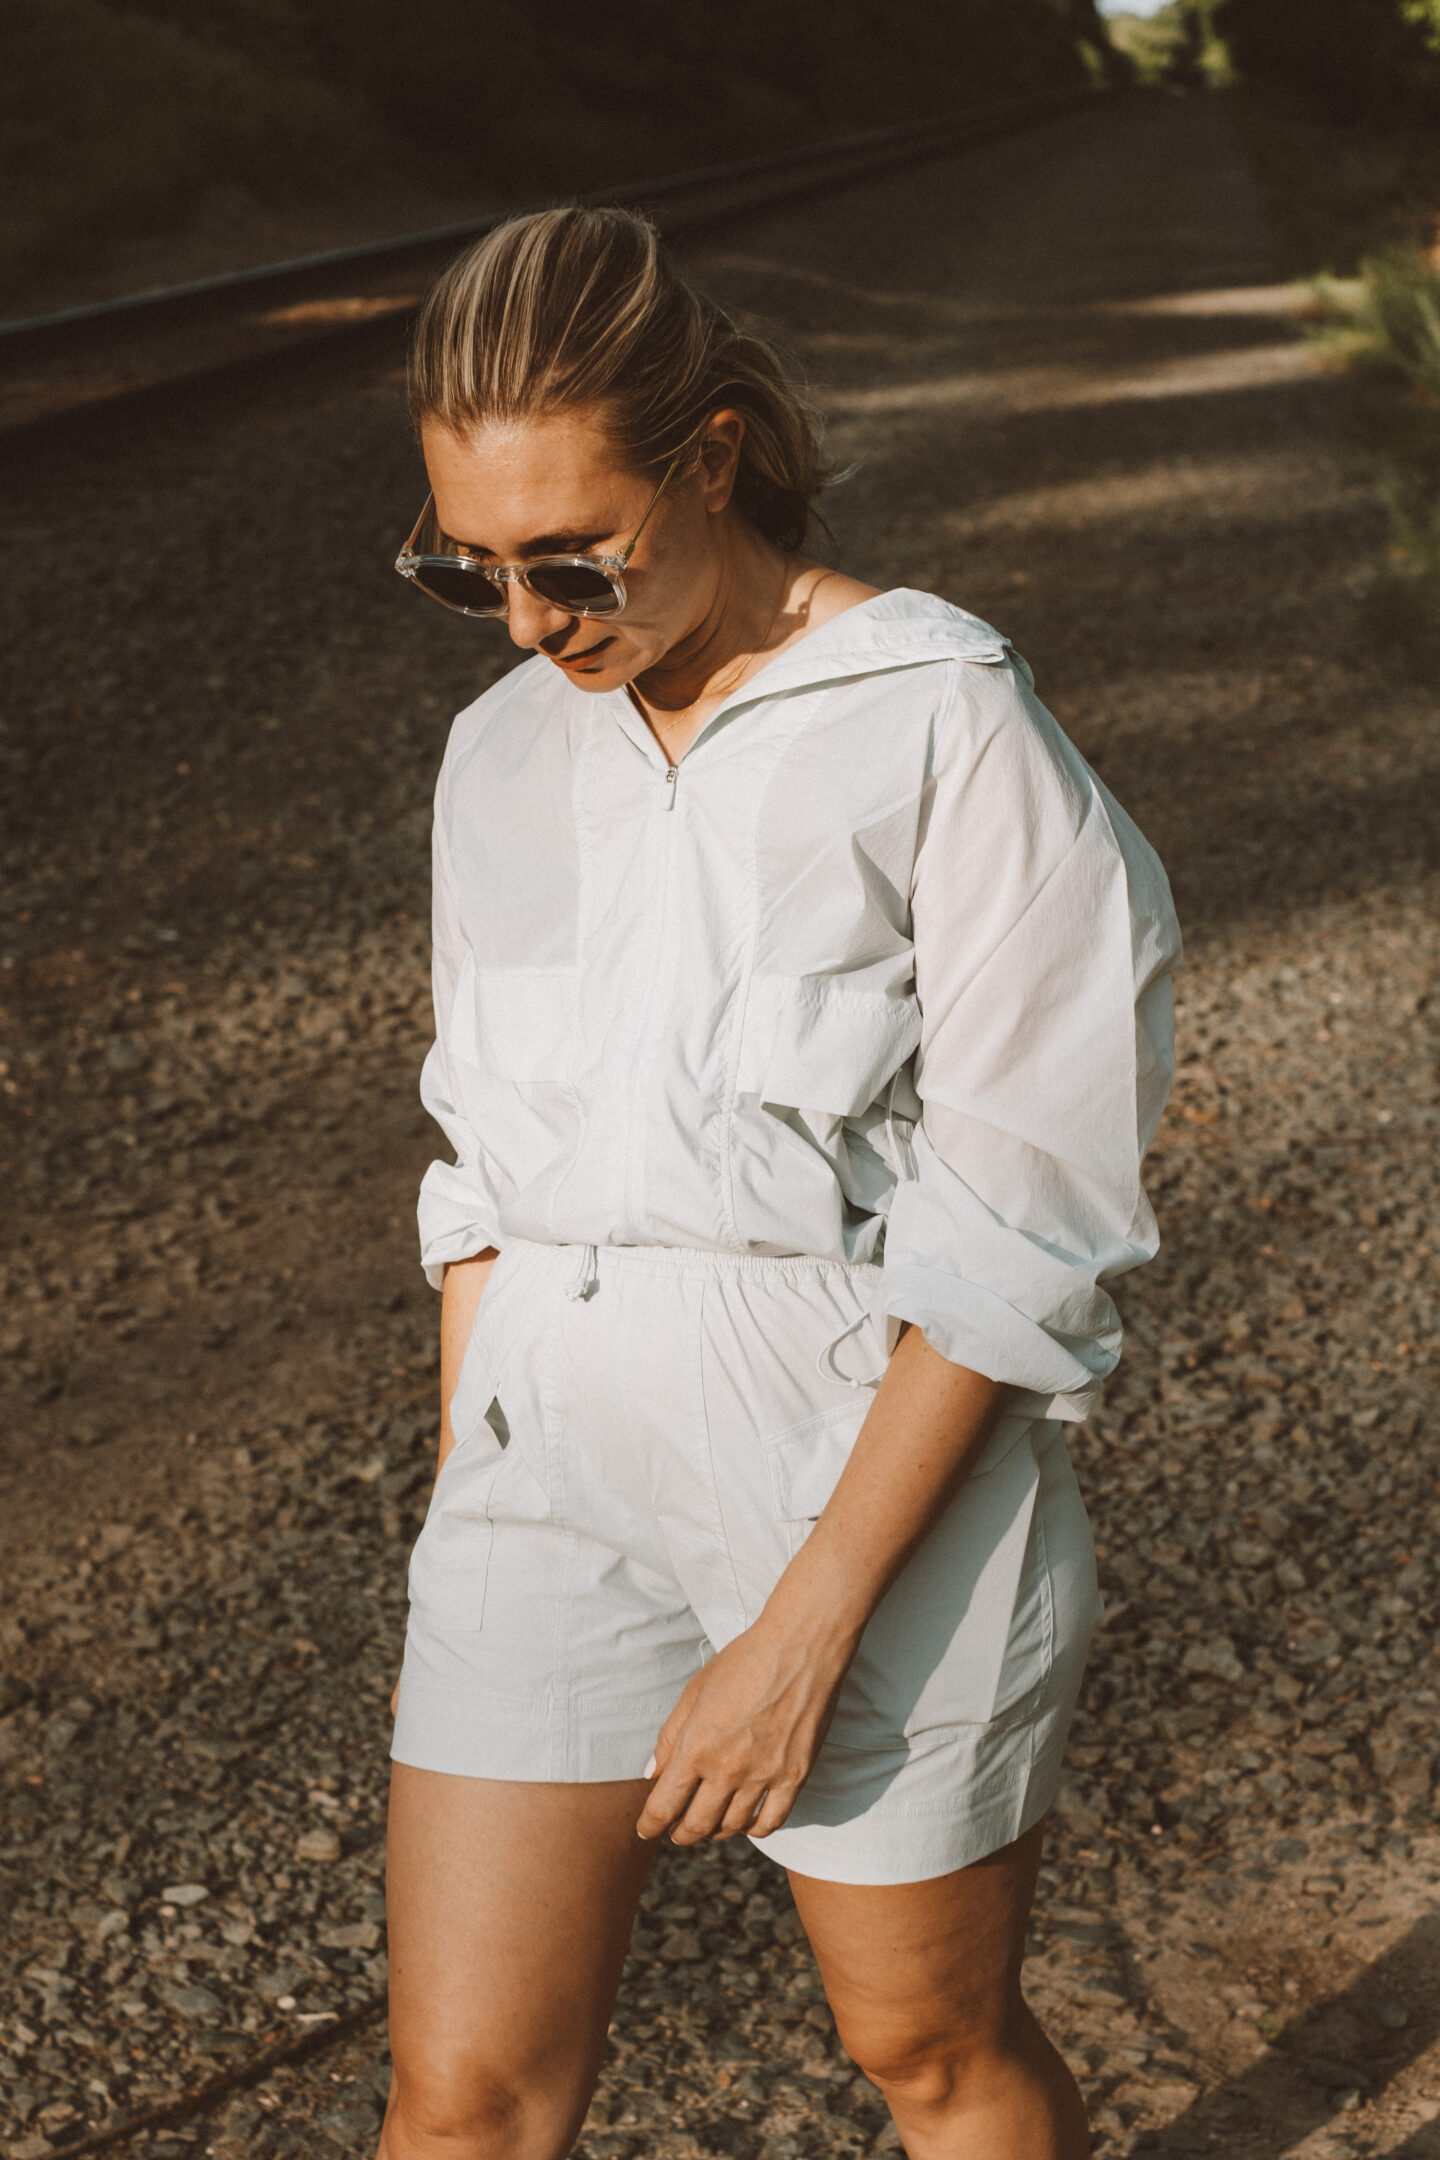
(702,1818)
(778,1803)
(742,1811)
(670,1795)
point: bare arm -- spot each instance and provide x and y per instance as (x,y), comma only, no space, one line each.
(741,1740)
(460,1293)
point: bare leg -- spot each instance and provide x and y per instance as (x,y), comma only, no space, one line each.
(511,1907)
(924,1980)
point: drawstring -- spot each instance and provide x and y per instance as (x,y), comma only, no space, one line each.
(904,1168)
(825,1361)
(585,1278)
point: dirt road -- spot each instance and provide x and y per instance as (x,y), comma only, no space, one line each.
(1079,409)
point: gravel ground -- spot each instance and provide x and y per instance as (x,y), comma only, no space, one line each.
(1080,412)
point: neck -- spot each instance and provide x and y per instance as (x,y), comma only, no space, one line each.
(710,660)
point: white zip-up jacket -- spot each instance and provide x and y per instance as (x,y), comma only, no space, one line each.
(878,972)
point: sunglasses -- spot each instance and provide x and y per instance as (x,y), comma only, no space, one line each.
(581,584)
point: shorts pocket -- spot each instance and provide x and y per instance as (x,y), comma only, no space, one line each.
(805,1460)
(450,1560)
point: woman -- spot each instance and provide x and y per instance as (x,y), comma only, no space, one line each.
(802,1016)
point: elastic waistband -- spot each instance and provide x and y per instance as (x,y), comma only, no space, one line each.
(696,1260)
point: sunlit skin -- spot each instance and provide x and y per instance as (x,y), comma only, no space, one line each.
(708,598)
(511,1903)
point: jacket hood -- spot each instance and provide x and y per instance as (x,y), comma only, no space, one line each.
(896,629)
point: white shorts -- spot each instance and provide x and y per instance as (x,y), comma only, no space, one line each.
(643,1441)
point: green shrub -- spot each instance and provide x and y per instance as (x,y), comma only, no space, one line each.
(1387,321)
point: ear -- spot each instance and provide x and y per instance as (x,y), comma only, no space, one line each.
(720,457)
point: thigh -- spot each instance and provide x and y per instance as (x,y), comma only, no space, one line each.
(910,1965)
(510,1909)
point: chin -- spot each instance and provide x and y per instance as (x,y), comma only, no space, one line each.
(602,676)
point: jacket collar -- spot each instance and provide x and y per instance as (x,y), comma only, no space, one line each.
(897,629)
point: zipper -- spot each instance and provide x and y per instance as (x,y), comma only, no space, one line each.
(640,1043)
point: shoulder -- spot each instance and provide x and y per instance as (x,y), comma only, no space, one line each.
(992,728)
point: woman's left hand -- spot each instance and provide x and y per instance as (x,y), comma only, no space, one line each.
(740,1742)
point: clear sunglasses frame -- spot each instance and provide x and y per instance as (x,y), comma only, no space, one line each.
(420,554)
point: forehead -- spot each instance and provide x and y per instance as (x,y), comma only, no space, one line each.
(503,486)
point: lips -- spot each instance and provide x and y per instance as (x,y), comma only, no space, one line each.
(574,659)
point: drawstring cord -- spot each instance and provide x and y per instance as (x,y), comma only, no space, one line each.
(585,1277)
(825,1360)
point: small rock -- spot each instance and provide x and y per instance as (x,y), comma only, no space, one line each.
(1391,2011)
(185,1893)
(322,1844)
(353,1935)
(681,1946)
(1097,1994)
(193,2001)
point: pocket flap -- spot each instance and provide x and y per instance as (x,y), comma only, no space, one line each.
(810,1047)
(805,1461)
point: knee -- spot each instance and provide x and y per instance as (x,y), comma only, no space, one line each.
(930,2065)
(455,2110)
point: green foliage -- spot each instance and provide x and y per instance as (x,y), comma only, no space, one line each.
(109,124)
(1354,59)
(1387,321)
(1176,46)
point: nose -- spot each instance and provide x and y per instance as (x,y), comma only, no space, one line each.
(530,620)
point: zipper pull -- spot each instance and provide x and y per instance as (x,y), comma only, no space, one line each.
(672,774)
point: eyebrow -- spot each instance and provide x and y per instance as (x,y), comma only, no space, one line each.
(561,543)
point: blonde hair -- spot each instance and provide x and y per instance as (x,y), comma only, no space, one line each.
(571,308)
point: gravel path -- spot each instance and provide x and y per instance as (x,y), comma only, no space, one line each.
(1082,413)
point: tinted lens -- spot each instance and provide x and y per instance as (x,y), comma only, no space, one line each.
(573,585)
(461,588)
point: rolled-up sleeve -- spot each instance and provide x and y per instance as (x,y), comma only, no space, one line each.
(1044,940)
(457,1212)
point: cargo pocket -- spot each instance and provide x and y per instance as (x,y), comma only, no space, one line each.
(450,1561)
(804,1463)
(813,1060)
